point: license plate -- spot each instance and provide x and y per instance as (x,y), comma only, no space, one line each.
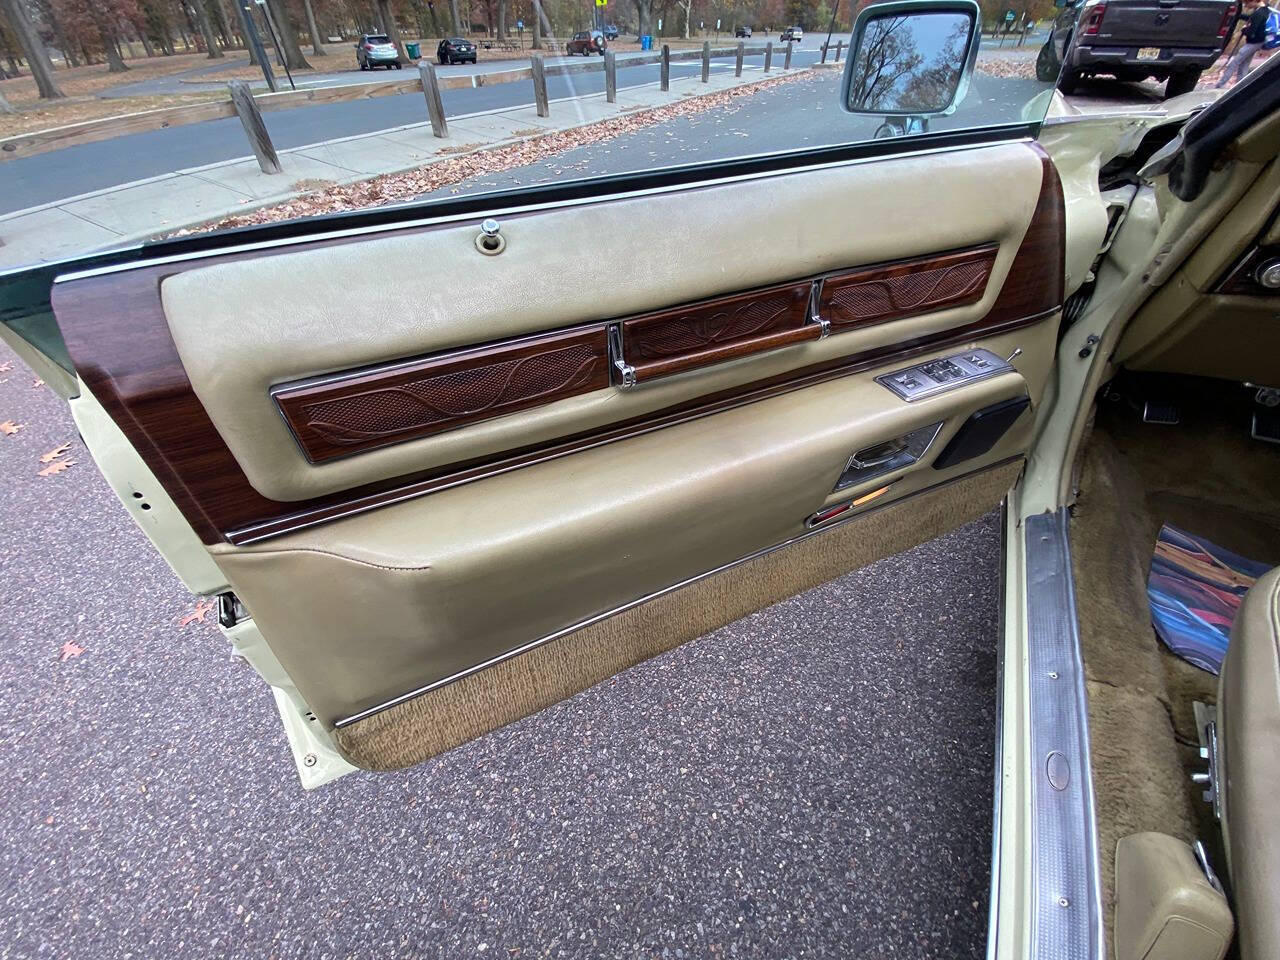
(1148,53)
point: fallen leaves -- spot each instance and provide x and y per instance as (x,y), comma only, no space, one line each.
(6,366)
(9,428)
(412,184)
(70,650)
(202,610)
(55,453)
(37,383)
(55,468)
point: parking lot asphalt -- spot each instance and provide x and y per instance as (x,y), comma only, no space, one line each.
(811,781)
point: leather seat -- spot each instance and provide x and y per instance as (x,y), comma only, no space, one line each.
(1249,767)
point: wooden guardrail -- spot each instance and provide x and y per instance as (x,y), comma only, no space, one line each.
(91,131)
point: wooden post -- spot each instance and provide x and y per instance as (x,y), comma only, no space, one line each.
(666,67)
(839,47)
(254,128)
(824,52)
(786,62)
(540,85)
(611,76)
(768,55)
(431,90)
(706,61)
(737,66)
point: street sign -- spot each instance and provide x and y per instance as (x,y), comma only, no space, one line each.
(659,25)
(602,3)
(717,24)
(1010,16)
(519,24)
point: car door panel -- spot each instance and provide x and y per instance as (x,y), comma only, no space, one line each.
(413,461)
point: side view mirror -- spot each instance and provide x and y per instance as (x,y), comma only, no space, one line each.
(911,58)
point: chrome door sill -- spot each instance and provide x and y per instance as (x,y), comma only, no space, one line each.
(1066,899)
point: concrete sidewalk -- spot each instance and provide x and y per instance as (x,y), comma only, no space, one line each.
(136,211)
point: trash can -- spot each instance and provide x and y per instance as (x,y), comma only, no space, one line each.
(414,50)
(646,42)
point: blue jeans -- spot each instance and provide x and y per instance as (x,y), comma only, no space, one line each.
(1239,63)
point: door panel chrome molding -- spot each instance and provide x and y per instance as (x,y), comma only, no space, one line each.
(993,893)
(1066,908)
(532,644)
(512,210)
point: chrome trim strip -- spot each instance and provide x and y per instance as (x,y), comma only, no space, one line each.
(523,209)
(1066,917)
(993,894)
(532,644)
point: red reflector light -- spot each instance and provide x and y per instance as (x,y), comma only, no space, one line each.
(1094,22)
(822,516)
(1227,18)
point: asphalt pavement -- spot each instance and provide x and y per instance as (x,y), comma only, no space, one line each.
(811,781)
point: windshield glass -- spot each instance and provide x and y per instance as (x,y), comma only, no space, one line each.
(149,126)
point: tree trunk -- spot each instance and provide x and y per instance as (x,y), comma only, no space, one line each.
(384,13)
(293,58)
(644,18)
(457,19)
(107,33)
(317,42)
(537,28)
(37,56)
(147,48)
(206,29)
(502,19)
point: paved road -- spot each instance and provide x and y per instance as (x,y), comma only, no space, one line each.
(811,781)
(72,171)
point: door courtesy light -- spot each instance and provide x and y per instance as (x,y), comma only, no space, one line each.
(830,513)
(1092,25)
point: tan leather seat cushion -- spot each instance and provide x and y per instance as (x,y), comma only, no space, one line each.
(1249,758)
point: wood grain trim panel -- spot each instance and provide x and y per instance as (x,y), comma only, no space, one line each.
(395,402)
(117,334)
(729,351)
(880,294)
(692,335)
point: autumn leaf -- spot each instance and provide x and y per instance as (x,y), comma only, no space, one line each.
(6,367)
(9,428)
(37,383)
(70,651)
(55,468)
(198,614)
(55,453)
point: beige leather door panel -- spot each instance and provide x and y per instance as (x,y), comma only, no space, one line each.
(451,488)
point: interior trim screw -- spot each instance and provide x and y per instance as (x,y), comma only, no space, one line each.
(1064,902)
(310,760)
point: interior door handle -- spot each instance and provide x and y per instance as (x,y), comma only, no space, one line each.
(893,448)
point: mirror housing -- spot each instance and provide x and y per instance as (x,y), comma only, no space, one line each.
(911,58)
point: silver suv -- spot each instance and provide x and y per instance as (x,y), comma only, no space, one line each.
(376,50)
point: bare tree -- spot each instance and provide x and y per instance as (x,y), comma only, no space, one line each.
(206,29)
(15,12)
(293,58)
(107,35)
(388,26)
(644,18)
(457,19)
(317,44)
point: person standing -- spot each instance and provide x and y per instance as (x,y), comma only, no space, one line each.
(1254,15)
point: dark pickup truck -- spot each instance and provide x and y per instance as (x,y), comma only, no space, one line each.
(1174,40)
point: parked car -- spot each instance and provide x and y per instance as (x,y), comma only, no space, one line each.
(743,32)
(586,42)
(792,34)
(377,50)
(1173,40)
(456,50)
(611,31)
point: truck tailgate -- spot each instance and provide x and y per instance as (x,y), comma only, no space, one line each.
(1162,23)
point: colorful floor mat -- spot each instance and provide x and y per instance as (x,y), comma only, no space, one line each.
(1195,589)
